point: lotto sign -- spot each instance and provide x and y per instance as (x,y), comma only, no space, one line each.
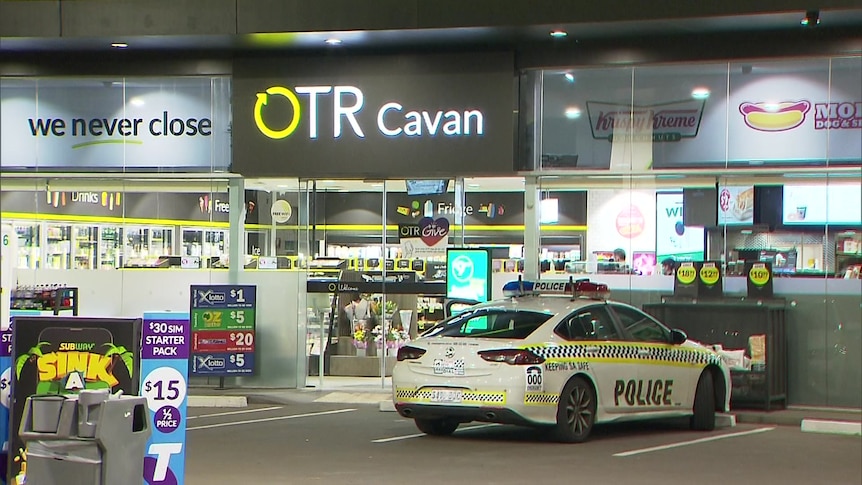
(165,367)
(223,330)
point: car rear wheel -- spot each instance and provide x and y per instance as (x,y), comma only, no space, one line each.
(437,427)
(703,418)
(576,411)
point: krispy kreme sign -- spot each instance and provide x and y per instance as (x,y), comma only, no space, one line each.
(787,115)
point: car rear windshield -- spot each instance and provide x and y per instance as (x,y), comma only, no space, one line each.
(490,323)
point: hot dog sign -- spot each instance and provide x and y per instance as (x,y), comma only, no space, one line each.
(787,115)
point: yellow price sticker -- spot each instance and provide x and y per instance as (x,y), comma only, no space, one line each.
(686,274)
(758,275)
(709,275)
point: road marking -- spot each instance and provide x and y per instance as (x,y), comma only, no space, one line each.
(693,442)
(419,435)
(277,418)
(245,411)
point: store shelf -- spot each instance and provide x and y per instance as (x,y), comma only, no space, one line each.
(55,299)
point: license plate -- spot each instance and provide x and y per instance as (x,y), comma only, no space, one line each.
(446,395)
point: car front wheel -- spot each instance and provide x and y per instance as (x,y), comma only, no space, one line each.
(437,427)
(576,411)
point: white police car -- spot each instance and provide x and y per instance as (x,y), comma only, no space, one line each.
(565,362)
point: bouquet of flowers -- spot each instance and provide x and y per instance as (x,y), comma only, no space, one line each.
(394,337)
(359,337)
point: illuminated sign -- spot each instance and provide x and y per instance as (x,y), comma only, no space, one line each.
(348,101)
(468,274)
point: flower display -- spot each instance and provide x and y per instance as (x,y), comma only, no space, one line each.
(359,337)
(394,337)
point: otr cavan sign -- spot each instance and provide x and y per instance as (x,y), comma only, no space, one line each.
(400,116)
(347,101)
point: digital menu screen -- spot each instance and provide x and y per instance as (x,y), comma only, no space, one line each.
(736,205)
(835,203)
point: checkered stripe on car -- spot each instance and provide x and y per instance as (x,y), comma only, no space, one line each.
(628,352)
(471,397)
(540,399)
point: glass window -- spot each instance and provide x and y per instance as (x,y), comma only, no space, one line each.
(491,323)
(640,326)
(594,323)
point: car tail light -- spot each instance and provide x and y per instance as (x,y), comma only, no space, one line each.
(409,353)
(511,356)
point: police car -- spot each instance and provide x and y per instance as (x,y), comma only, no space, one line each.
(557,355)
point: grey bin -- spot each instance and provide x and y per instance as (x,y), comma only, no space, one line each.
(92,438)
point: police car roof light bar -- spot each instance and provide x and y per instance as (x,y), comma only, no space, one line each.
(581,288)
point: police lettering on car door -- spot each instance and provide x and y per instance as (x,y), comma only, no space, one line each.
(637,392)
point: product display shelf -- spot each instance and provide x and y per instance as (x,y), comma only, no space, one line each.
(756,326)
(55,299)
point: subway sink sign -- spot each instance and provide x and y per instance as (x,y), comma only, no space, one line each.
(279,111)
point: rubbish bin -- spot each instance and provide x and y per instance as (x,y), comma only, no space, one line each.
(92,438)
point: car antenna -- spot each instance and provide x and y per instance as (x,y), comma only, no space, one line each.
(572,286)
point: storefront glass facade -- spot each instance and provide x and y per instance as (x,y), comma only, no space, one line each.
(730,163)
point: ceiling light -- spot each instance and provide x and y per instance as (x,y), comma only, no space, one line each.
(333,41)
(700,93)
(136,101)
(811,18)
(559,34)
(573,112)
(119,45)
(473,186)
(570,77)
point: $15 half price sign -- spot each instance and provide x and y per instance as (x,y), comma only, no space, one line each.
(165,352)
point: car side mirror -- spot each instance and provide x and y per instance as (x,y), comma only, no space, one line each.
(677,336)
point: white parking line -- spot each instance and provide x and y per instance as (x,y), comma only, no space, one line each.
(229,413)
(276,418)
(693,442)
(419,435)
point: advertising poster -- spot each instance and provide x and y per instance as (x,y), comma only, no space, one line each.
(223,329)
(165,370)
(736,205)
(5,390)
(673,238)
(427,239)
(468,274)
(63,355)
(621,219)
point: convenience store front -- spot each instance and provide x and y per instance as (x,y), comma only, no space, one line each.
(362,148)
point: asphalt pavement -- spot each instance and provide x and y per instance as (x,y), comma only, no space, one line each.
(322,442)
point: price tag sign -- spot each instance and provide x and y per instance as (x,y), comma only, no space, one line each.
(759,280)
(165,349)
(685,281)
(223,329)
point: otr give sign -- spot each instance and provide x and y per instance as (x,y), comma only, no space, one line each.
(348,101)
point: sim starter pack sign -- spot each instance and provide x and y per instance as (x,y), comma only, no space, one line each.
(57,355)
